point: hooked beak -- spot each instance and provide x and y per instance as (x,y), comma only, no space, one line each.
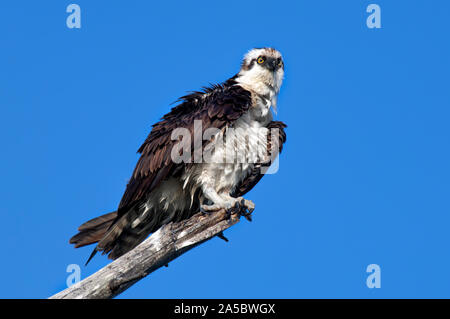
(272,64)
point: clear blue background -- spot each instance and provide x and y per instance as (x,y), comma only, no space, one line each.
(364,177)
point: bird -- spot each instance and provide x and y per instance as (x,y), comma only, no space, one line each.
(174,179)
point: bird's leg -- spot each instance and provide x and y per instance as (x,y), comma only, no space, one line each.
(218,202)
(238,205)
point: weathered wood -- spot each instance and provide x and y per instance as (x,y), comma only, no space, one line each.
(158,250)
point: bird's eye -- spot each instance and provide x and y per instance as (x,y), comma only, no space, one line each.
(261,60)
(280,63)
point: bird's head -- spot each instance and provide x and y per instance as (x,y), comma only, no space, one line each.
(262,69)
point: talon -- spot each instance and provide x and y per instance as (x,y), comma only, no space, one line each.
(233,208)
(250,206)
(203,210)
(237,207)
(247,208)
(229,211)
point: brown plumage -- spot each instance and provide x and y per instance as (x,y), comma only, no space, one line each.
(93,230)
(218,106)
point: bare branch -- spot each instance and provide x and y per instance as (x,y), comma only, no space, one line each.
(158,250)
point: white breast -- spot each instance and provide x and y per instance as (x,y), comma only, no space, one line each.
(230,162)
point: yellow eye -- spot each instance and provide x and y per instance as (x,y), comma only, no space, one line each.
(261,60)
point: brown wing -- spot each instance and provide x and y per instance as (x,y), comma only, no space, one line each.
(257,173)
(217,106)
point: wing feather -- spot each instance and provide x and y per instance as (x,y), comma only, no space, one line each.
(257,173)
(217,106)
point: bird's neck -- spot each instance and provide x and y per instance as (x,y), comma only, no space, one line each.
(261,85)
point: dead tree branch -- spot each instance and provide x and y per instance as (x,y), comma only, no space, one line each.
(158,250)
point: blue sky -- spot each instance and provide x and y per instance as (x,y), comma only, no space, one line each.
(364,177)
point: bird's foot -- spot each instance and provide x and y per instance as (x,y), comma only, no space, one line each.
(239,205)
(245,208)
(209,209)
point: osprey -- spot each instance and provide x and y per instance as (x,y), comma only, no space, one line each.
(163,189)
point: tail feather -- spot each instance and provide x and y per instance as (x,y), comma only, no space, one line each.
(115,235)
(123,236)
(93,230)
